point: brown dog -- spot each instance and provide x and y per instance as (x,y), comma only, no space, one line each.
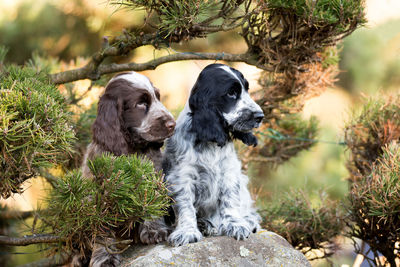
(130,119)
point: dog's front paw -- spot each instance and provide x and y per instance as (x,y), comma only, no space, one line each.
(207,228)
(101,257)
(253,221)
(235,230)
(183,236)
(153,233)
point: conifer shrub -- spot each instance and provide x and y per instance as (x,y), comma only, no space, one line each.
(374,199)
(124,190)
(377,125)
(318,24)
(374,205)
(35,129)
(180,19)
(305,225)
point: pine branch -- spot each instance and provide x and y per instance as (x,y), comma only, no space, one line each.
(87,71)
(51,179)
(29,240)
(10,215)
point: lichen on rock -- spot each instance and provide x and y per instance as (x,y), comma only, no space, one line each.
(261,249)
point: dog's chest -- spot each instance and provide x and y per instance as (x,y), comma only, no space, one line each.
(216,170)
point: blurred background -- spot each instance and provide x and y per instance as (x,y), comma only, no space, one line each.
(63,33)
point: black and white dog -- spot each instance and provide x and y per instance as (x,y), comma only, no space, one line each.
(202,169)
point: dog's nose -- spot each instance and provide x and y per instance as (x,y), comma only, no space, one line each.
(258,117)
(170,125)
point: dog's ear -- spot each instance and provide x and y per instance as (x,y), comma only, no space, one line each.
(207,123)
(247,138)
(107,131)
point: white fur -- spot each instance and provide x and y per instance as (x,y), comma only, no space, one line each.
(139,80)
(208,187)
(245,101)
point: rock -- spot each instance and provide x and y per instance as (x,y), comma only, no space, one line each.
(261,249)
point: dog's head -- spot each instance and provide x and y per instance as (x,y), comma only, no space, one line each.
(131,115)
(221,106)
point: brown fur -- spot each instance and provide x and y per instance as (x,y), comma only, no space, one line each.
(130,119)
(115,129)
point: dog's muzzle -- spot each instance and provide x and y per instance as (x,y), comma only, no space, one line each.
(248,120)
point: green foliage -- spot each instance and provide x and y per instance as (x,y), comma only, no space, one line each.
(285,139)
(35,129)
(176,19)
(378,124)
(299,29)
(374,205)
(374,198)
(305,225)
(330,57)
(322,166)
(322,12)
(124,190)
(50,30)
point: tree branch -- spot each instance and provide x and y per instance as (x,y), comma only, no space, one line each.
(51,179)
(29,240)
(10,215)
(120,45)
(86,71)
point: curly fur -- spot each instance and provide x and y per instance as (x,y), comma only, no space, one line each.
(202,169)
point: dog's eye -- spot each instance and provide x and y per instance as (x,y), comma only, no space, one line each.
(232,93)
(142,105)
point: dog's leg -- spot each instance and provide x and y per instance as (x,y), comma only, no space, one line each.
(186,230)
(208,226)
(247,209)
(232,222)
(153,232)
(253,219)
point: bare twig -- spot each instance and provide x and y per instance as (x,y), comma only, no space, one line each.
(29,240)
(122,242)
